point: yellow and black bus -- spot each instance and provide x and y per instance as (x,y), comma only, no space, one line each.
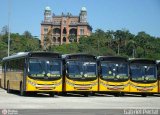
(143,76)
(113,75)
(80,75)
(158,74)
(32,72)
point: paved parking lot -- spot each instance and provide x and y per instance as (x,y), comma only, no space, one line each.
(43,101)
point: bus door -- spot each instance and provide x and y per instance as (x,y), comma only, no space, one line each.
(24,64)
(4,71)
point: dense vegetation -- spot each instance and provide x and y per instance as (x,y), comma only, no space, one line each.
(120,42)
(18,43)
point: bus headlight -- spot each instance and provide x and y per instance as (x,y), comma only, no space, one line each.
(57,84)
(70,83)
(104,84)
(32,83)
(93,84)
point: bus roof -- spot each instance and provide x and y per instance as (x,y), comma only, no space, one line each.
(142,60)
(112,58)
(32,54)
(17,55)
(78,55)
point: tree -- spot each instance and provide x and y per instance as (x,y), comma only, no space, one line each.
(4,30)
(130,48)
(100,42)
(65,48)
(27,34)
(142,40)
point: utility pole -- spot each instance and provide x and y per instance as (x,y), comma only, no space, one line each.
(9,13)
(118,48)
(133,53)
(98,44)
(45,45)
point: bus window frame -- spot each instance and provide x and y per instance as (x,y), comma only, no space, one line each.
(144,81)
(83,60)
(158,71)
(45,78)
(113,80)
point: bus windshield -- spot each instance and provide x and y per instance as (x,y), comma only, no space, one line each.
(114,71)
(45,68)
(141,72)
(81,69)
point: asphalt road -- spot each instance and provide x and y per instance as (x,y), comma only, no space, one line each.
(76,104)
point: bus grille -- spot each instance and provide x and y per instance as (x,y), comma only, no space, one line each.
(82,86)
(143,88)
(45,87)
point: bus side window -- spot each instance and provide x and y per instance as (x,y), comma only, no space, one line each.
(20,66)
(3,67)
(13,65)
(7,66)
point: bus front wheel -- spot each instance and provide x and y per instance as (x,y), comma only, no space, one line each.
(86,94)
(8,87)
(22,93)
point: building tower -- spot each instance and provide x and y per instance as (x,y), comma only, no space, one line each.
(83,15)
(47,14)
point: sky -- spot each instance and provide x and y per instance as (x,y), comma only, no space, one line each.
(132,15)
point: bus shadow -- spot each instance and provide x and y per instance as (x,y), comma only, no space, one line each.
(78,95)
(117,95)
(126,95)
(133,95)
(139,95)
(73,95)
(156,95)
(103,95)
(43,95)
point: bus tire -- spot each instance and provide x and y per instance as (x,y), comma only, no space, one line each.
(22,93)
(8,87)
(122,94)
(92,93)
(144,95)
(116,94)
(86,94)
(61,94)
(51,94)
(64,93)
